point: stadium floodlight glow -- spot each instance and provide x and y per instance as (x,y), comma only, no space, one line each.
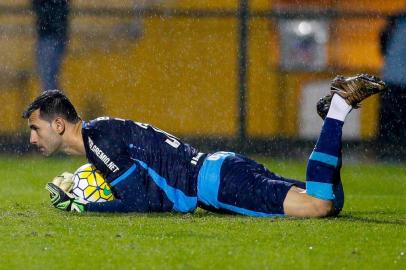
(303,44)
(304,28)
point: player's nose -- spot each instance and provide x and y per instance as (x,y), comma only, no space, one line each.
(33,138)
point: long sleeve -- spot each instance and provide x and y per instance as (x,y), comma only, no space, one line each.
(129,190)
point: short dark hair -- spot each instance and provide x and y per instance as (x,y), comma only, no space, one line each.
(53,103)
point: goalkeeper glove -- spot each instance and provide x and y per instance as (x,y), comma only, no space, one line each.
(64,181)
(65,201)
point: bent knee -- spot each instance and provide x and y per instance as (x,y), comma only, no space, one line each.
(321,208)
(299,204)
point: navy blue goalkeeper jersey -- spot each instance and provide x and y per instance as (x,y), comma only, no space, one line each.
(148,169)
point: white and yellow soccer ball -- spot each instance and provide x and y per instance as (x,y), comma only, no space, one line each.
(89,184)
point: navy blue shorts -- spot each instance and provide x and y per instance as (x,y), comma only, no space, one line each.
(228,182)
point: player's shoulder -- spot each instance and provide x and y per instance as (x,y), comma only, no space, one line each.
(104,131)
(108,127)
(104,128)
(103,122)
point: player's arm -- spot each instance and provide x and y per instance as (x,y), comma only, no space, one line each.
(128,189)
(130,193)
(127,183)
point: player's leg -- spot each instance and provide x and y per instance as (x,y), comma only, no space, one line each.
(322,169)
(324,194)
(236,184)
(230,183)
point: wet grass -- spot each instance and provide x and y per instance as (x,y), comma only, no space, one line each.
(369,234)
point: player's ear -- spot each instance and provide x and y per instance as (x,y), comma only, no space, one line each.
(59,125)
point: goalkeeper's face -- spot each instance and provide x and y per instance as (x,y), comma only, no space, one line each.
(45,135)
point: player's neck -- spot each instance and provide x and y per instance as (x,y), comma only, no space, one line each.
(73,140)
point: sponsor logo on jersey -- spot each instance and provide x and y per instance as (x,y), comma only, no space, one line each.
(102,156)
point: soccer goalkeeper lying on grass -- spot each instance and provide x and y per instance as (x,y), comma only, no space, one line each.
(150,170)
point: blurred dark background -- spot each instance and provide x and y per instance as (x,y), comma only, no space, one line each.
(235,75)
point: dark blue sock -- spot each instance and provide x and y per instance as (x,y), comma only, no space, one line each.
(325,161)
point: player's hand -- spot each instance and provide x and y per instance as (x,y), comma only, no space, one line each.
(65,201)
(64,181)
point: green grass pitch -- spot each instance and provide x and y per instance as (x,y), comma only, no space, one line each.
(369,234)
